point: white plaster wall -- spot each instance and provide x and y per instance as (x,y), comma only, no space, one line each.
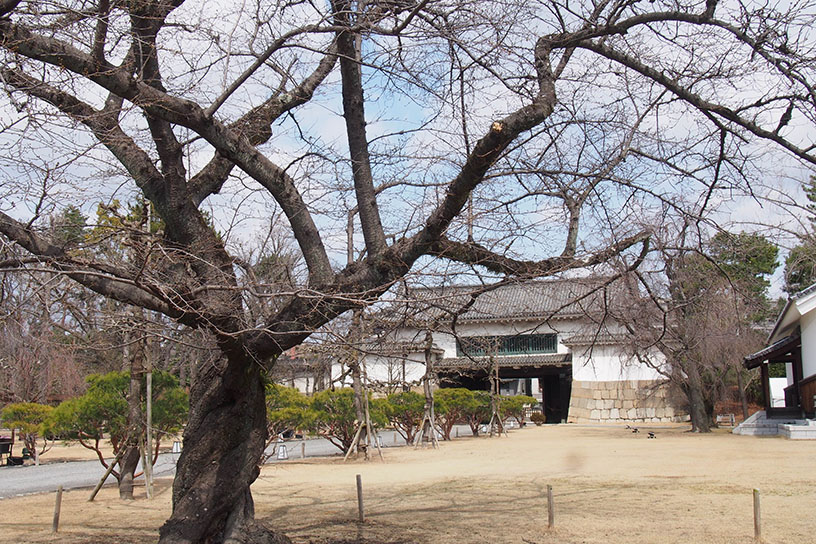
(382,369)
(304,384)
(808,326)
(609,363)
(337,371)
(778,386)
(389,370)
(445,342)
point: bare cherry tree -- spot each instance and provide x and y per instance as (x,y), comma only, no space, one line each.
(693,314)
(453,134)
(38,362)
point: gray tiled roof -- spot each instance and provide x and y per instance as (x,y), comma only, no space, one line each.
(544,300)
(399,348)
(596,339)
(779,347)
(506,361)
(804,292)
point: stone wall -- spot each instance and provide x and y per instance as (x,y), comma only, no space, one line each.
(622,401)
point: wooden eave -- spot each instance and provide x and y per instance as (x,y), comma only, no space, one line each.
(779,352)
(539,360)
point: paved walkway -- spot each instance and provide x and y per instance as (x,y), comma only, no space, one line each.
(25,480)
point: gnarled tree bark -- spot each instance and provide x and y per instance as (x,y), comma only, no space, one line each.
(223,444)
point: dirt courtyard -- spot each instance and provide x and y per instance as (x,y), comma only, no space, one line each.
(609,485)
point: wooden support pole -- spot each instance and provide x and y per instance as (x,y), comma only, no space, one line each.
(550,508)
(354,441)
(360,508)
(148,457)
(303,450)
(57,508)
(757,517)
(108,472)
(145,462)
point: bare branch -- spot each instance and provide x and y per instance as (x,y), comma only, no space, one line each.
(486,151)
(118,288)
(468,252)
(256,126)
(695,100)
(7,6)
(189,114)
(348,47)
(262,58)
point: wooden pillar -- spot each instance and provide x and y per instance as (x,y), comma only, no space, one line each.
(796,360)
(766,387)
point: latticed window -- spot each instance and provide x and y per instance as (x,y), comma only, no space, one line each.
(507,345)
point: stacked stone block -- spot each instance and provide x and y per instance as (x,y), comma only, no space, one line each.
(621,401)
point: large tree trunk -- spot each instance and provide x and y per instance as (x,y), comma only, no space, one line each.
(223,444)
(698,409)
(127,468)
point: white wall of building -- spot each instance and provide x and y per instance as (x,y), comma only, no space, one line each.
(336,373)
(395,369)
(304,385)
(807,323)
(608,363)
(778,386)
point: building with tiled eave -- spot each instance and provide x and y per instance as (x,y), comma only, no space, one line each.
(555,340)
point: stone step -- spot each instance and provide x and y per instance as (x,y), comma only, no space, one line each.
(758,425)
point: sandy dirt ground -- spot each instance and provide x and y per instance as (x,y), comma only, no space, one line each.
(610,486)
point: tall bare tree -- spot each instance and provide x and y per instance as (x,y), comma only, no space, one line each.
(697,313)
(402,112)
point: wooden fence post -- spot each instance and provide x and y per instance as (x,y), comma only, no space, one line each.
(57,508)
(550,508)
(757,517)
(360,509)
